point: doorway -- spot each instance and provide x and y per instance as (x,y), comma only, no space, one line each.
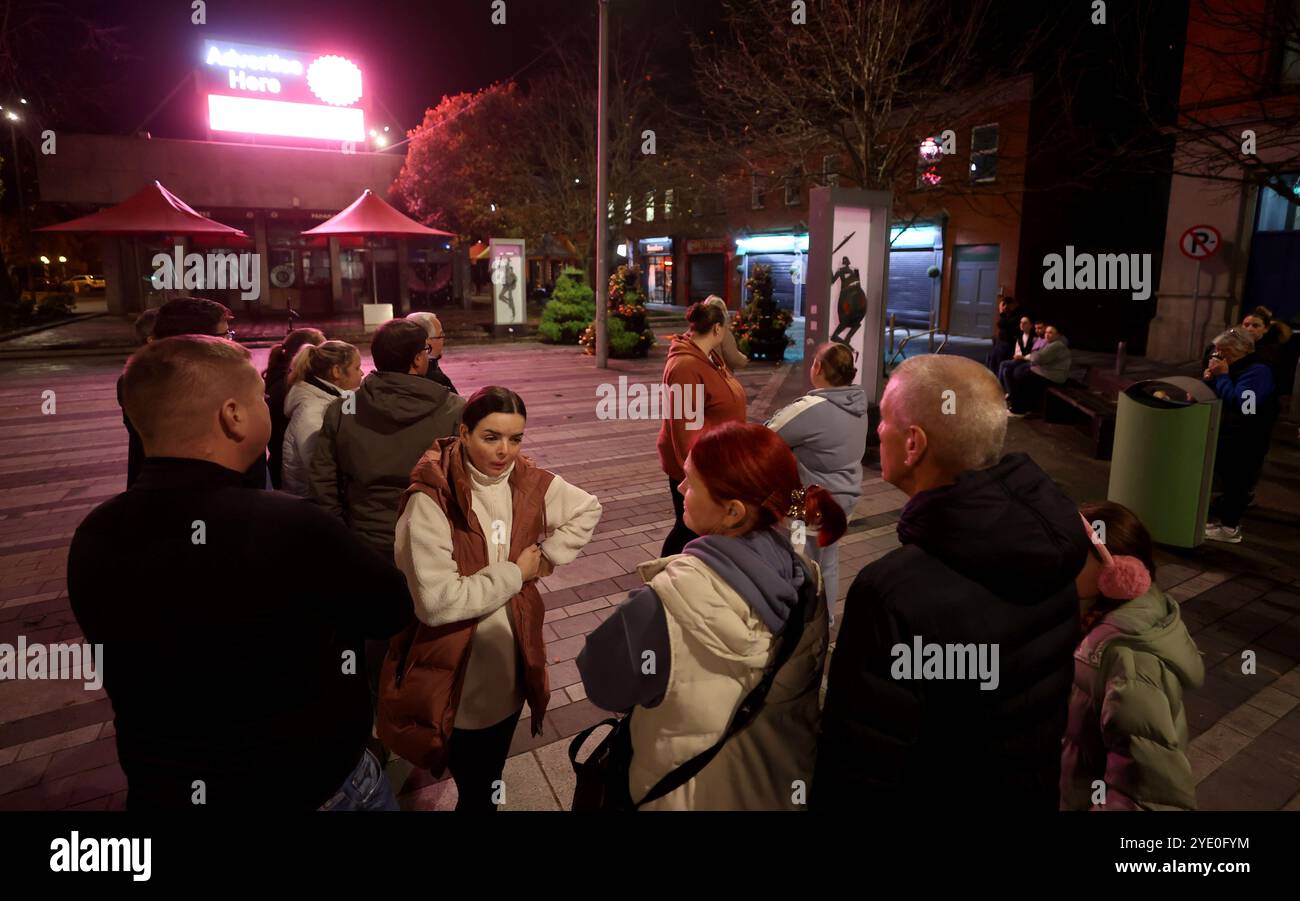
(975,290)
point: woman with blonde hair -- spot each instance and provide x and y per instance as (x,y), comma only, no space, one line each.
(276,376)
(319,374)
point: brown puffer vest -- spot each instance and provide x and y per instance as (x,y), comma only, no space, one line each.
(424,670)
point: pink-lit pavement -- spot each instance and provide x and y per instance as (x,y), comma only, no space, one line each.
(57,742)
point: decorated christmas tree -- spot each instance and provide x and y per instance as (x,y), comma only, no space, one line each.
(629,333)
(760,327)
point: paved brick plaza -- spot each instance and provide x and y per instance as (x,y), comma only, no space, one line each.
(56,739)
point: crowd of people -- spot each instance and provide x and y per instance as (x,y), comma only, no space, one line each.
(272,647)
(1028,357)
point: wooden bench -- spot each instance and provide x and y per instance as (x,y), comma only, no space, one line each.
(1089,404)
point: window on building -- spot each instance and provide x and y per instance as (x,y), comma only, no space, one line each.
(1277,213)
(756,192)
(611,208)
(984,153)
(792,189)
(929,154)
(627,211)
(668,203)
(1290,29)
(650,206)
(830,170)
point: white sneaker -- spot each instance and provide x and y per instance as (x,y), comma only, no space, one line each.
(1218,532)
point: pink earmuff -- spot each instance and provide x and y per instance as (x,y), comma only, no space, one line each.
(1122,578)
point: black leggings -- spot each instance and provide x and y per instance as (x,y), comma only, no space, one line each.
(680,534)
(476,758)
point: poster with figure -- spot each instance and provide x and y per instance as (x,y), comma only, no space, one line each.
(509,285)
(848,238)
(848,300)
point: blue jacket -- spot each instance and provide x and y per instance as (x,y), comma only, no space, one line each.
(1249,373)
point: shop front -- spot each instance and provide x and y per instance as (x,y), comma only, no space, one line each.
(656,259)
(706,268)
(786,255)
(912,298)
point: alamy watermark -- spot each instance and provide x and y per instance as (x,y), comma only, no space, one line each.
(657,401)
(214,270)
(103,855)
(1100,272)
(946,662)
(36,661)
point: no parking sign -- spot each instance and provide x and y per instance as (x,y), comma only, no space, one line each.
(1200,242)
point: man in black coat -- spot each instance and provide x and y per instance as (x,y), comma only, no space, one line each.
(184,316)
(950,679)
(231,620)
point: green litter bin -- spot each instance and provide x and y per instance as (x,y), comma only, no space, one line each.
(1163,464)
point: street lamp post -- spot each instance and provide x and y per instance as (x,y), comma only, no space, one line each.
(602,222)
(26,250)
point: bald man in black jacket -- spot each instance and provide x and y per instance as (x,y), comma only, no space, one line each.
(991,548)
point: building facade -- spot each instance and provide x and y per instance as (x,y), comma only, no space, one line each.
(273,194)
(1237,159)
(955,240)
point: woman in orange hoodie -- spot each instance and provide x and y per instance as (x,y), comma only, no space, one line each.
(700,392)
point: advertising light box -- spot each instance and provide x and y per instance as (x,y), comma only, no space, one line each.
(284,93)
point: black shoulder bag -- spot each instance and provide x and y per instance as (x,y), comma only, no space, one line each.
(601,779)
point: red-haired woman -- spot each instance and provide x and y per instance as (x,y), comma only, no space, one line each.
(683,652)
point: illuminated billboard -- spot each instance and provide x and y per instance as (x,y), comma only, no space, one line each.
(283,93)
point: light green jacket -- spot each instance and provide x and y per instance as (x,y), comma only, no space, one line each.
(1126,744)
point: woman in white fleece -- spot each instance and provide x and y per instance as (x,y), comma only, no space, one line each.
(479,524)
(318,374)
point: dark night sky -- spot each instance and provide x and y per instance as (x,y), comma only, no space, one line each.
(412,51)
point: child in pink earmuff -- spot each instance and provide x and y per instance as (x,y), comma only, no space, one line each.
(1125,746)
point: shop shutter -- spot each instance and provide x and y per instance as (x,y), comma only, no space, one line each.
(708,275)
(782,285)
(910,288)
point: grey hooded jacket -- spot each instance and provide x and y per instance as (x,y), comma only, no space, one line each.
(827,430)
(365,453)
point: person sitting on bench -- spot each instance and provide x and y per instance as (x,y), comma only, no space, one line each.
(1026,344)
(1047,367)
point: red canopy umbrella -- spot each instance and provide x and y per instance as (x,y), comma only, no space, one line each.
(368,215)
(151,210)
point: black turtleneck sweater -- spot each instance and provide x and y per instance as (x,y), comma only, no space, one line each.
(225,660)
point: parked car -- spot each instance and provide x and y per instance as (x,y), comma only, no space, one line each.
(79,283)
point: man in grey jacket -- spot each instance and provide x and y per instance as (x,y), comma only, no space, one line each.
(369,443)
(1047,366)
